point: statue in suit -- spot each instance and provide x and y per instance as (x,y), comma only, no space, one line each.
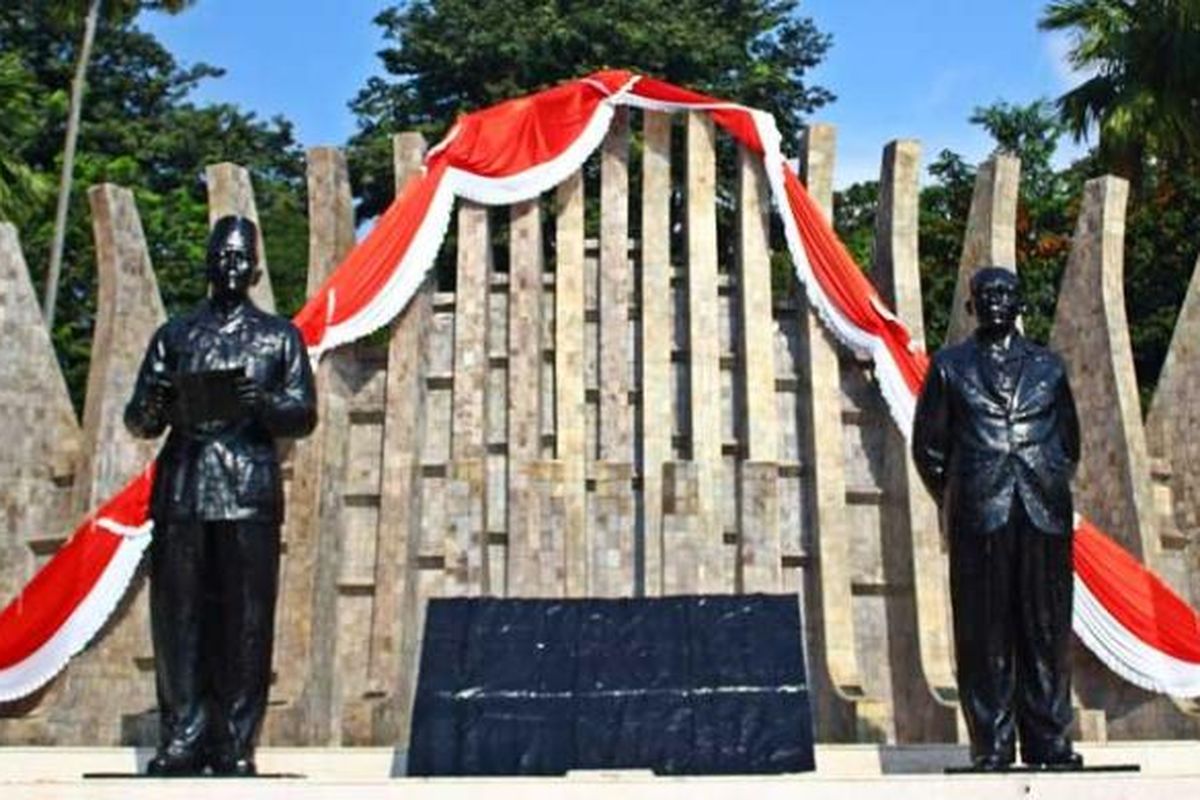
(996,441)
(217,506)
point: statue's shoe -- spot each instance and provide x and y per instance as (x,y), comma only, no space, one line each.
(174,760)
(992,762)
(234,767)
(1063,758)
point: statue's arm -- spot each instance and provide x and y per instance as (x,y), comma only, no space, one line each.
(291,411)
(148,412)
(931,431)
(1068,422)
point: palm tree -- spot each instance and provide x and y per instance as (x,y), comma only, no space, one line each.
(116,8)
(1143,95)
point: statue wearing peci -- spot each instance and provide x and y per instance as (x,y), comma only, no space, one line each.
(228,380)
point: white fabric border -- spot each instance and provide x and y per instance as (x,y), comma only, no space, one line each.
(30,674)
(1125,654)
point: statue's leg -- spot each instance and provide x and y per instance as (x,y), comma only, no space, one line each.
(177,563)
(246,584)
(981,599)
(1045,582)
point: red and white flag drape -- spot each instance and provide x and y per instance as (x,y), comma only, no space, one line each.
(513,152)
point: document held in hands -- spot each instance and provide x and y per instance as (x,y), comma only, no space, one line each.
(209,396)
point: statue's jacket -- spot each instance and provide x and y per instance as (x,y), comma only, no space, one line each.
(977,450)
(225,470)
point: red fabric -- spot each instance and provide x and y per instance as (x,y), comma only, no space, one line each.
(503,141)
(736,122)
(56,591)
(846,286)
(1135,595)
(511,137)
(367,268)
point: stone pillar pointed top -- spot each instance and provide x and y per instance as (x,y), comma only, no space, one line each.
(408,154)
(991,235)
(1091,332)
(230,192)
(128,311)
(331,236)
(1173,421)
(896,268)
(41,446)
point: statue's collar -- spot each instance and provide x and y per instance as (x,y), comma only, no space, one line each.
(225,318)
(1017,347)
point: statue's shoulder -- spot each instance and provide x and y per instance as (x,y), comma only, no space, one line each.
(275,324)
(955,356)
(1044,356)
(269,320)
(181,323)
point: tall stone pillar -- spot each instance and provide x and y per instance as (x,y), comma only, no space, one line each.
(1112,485)
(991,236)
(913,549)
(842,708)
(656,336)
(38,461)
(230,192)
(306,640)
(1172,427)
(107,696)
(398,623)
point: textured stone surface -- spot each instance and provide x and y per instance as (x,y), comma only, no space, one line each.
(1173,440)
(703,350)
(569,380)
(760,555)
(912,546)
(991,237)
(230,192)
(526,546)
(657,319)
(107,695)
(431,474)
(41,434)
(838,682)
(307,697)
(1112,486)
(397,622)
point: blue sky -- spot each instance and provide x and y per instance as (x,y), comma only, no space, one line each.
(913,69)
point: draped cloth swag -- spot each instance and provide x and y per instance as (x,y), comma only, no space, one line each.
(512,152)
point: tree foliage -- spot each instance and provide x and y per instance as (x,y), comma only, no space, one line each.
(446,57)
(139,130)
(1144,91)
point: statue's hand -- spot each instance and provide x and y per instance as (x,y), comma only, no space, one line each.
(250,394)
(161,393)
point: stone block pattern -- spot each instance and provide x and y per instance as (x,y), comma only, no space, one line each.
(609,416)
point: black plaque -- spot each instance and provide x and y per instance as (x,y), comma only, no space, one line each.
(680,685)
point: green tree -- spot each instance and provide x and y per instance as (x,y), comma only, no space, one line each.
(117,9)
(138,129)
(21,187)
(1047,202)
(446,57)
(1144,91)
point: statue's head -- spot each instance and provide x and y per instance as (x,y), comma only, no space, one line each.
(996,300)
(232,260)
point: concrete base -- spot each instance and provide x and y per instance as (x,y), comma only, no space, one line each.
(852,772)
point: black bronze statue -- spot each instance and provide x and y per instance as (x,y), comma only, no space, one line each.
(996,441)
(228,380)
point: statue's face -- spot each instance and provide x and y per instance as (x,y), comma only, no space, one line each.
(996,300)
(231,265)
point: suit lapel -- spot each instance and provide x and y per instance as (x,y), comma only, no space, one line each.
(1018,352)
